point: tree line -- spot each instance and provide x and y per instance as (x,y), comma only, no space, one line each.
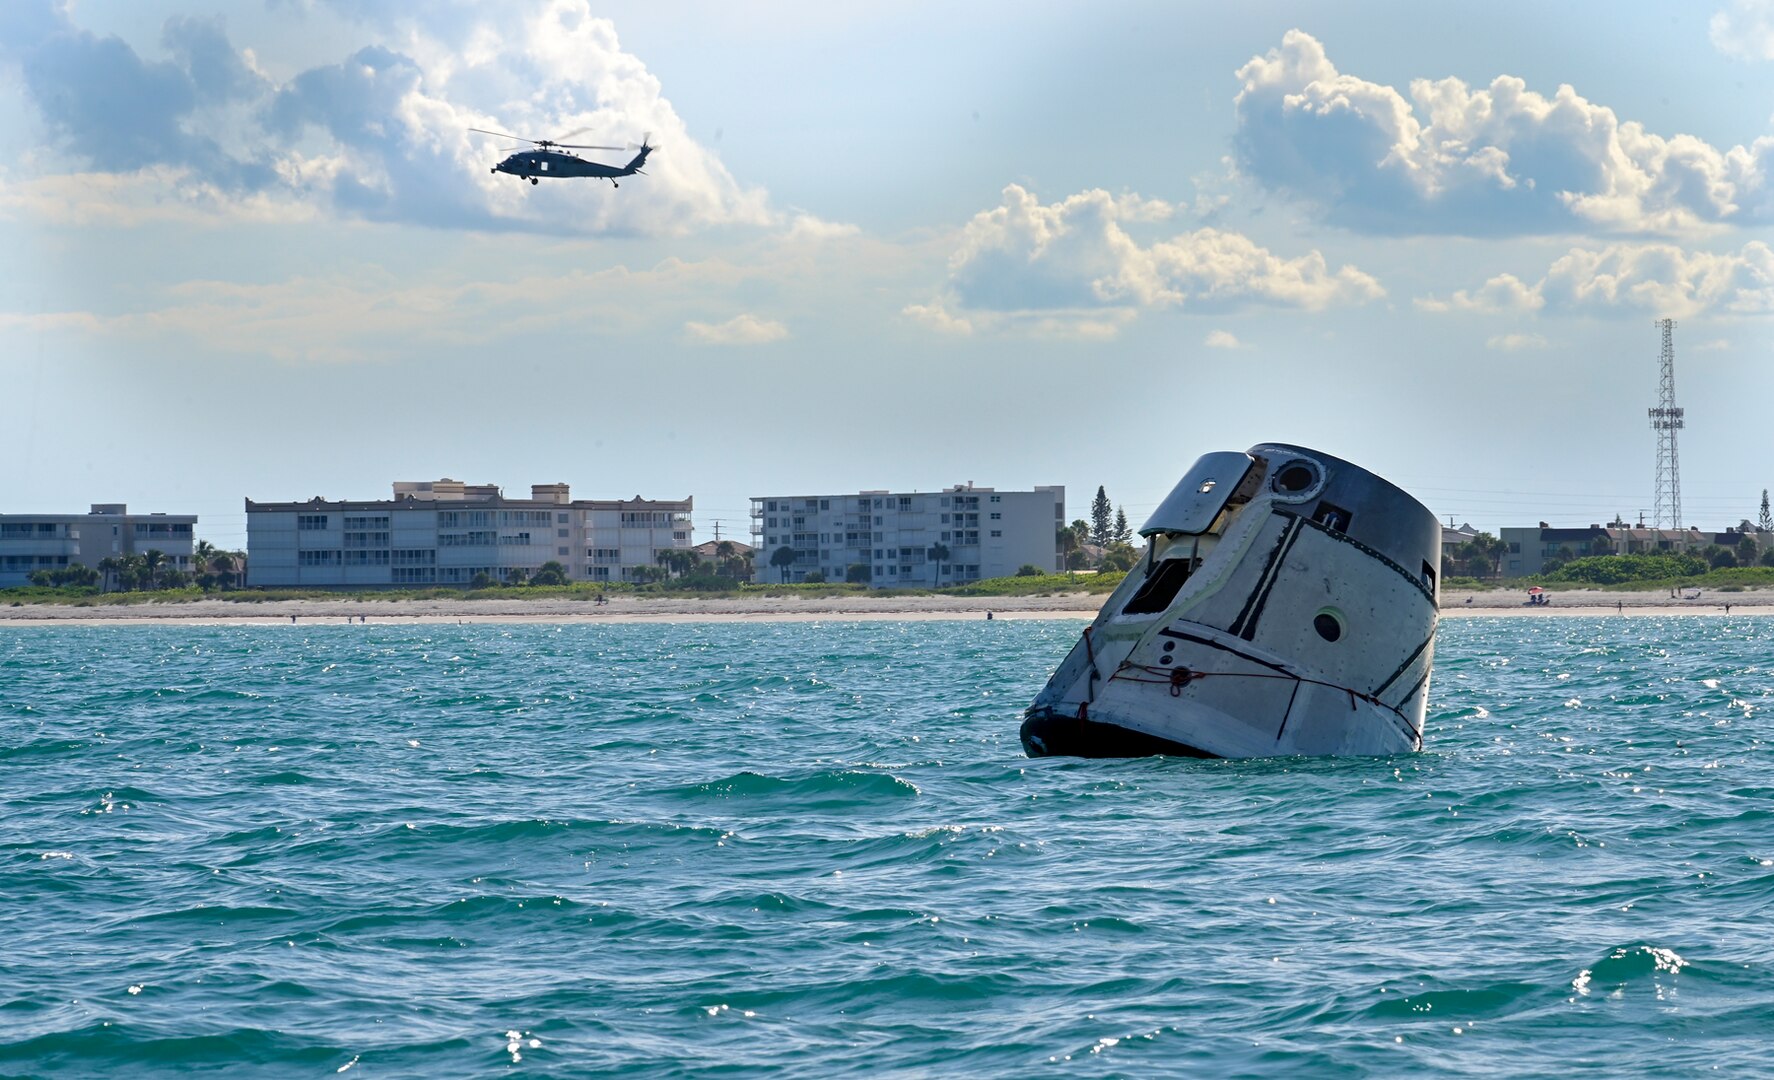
(211,568)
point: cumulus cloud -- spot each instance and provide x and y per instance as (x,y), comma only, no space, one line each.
(743,329)
(1073,267)
(1222,339)
(383,133)
(1654,279)
(1745,29)
(1515,342)
(1502,159)
(1502,294)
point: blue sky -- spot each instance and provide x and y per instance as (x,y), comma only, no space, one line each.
(254,250)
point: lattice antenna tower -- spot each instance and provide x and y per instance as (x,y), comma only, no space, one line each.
(1666,420)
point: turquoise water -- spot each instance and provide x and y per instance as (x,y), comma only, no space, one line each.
(806,850)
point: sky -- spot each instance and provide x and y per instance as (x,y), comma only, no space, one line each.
(252,250)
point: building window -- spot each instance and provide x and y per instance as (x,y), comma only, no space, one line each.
(563,552)
(309,522)
(994,499)
(561,519)
(996,515)
(317,558)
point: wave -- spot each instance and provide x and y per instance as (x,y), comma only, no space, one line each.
(836,789)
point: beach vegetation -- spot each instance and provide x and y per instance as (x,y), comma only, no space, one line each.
(857,573)
(1118,558)
(76,576)
(549,573)
(1029,570)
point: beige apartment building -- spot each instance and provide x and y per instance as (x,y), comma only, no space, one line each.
(445,532)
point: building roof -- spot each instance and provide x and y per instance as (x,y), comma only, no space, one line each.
(707,547)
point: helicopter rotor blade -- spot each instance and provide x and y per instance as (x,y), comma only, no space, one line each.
(570,134)
(583,146)
(501,134)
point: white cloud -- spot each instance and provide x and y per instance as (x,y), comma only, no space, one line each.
(1222,339)
(937,317)
(1498,160)
(1502,294)
(810,229)
(1072,267)
(383,134)
(1744,29)
(745,329)
(1655,279)
(1515,342)
(155,194)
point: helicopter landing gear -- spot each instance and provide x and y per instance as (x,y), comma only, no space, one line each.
(533,180)
(614,184)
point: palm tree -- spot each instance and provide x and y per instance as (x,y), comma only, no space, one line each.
(153,562)
(201,555)
(109,566)
(783,558)
(1067,540)
(939,554)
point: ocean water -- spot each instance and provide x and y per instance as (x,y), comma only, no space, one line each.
(807,850)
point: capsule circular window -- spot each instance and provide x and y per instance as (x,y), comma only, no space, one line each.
(1295,479)
(1329,624)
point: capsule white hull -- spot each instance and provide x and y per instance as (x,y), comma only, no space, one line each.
(1278,618)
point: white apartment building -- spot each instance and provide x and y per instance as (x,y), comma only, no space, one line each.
(445,532)
(898,536)
(30,542)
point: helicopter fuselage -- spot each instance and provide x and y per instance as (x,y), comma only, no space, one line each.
(535,164)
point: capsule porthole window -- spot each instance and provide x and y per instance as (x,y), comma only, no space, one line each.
(1296,480)
(1329,624)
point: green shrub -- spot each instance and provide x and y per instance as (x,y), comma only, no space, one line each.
(1619,569)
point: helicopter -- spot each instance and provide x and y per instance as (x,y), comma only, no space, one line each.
(552,158)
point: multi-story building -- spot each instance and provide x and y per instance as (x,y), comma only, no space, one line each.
(1531,549)
(30,542)
(901,538)
(446,532)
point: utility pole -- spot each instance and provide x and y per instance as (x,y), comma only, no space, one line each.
(1666,420)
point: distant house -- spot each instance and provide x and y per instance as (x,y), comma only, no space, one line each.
(1452,538)
(709,554)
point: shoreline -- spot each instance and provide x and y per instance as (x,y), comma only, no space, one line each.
(632,609)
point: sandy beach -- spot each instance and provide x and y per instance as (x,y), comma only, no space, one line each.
(624,609)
